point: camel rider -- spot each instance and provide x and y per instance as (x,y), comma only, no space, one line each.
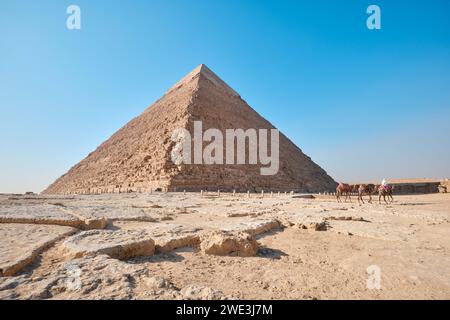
(385,185)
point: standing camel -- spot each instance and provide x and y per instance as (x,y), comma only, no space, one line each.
(364,189)
(384,191)
(343,189)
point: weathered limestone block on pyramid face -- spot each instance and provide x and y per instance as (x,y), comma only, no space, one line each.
(139,155)
(228,243)
(22,243)
(116,244)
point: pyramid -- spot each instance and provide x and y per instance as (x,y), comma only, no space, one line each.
(137,158)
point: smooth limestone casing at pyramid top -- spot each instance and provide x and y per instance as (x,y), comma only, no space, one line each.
(137,158)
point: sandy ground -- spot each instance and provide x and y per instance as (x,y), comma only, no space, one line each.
(308,248)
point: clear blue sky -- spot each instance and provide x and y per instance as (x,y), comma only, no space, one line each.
(363,104)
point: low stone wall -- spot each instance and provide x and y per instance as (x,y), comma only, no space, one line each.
(416,188)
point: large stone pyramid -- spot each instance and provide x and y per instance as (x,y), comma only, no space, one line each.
(137,158)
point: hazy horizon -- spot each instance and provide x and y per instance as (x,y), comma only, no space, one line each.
(363,104)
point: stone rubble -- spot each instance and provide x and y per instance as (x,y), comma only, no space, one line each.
(222,243)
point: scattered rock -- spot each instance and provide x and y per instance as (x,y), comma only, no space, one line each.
(159,283)
(316,223)
(316,226)
(254,227)
(228,243)
(90,224)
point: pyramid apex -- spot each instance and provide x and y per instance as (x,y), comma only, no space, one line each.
(201,68)
(206,73)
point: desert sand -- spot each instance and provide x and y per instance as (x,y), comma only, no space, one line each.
(189,246)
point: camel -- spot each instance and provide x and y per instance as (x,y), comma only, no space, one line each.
(368,189)
(343,189)
(384,191)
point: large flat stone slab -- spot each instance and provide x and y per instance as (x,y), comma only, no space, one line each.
(93,277)
(48,214)
(38,214)
(254,227)
(117,244)
(167,236)
(21,243)
(100,277)
(113,212)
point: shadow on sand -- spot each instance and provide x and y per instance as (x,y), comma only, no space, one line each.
(270,253)
(158,257)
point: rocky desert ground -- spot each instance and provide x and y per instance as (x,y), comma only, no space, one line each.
(222,246)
